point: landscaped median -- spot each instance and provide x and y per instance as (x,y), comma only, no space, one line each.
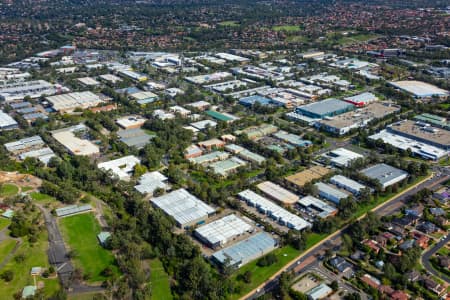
(288,255)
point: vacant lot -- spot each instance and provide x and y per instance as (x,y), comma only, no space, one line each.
(80,233)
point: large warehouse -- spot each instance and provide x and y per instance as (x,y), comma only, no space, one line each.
(32,89)
(245,251)
(186,209)
(325,108)
(420,89)
(341,157)
(74,144)
(218,233)
(330,192)
(278,193)
(69,102)
(422,132)
(7,122)
(317,207)
(385,174)
(122,167)
(279,214)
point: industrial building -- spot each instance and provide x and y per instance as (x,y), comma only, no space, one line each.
(205,79)
(151,181)
(330,192)
(135,137)
(317,207)
(276,212)
(232,57)
(419,89)
(130,122)
(344,123)
(417,148)
(221,116)
(192,151)
(245,251)
(202,125)
(422,132)
(226,86)
(110,78)
(348,184)
(220,232)
(31,147)
(252,100)
(186,209)
(135,76)
(256,132)
(212,144)
(74,144)
(435,120)
(245,154)
(298,180)
(227,166)
(209,158)
(7,122)
(361,100)
(67,103)
(278,193)
(200,105)
(325,108)
(88,81)
(122,168)
(385,174)
(292,139)
(142,97)
(341,157)
(319,292)
(33,89)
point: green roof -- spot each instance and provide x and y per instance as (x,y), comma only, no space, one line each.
(219,116)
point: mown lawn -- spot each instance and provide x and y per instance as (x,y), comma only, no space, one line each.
(80,233)
(8,189)
(4,223)
(6,247)
(261,274)
(287,28)
(160,281)
(35,256)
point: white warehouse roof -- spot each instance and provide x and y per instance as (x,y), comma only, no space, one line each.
(223,230)
(121,167)
(183,206)
(276,212)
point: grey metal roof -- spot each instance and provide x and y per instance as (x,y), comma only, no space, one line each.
(383,172)
(326,106)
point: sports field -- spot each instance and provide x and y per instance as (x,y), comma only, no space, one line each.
(80,233)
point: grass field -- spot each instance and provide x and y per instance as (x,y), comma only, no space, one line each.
(160,281)
(35,256)
(80,232)
(260,274)
(287,28)
(26,188)
(8,189)
(6,247)
(229,23)
(4,223)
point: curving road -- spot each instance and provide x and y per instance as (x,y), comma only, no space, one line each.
(429,253)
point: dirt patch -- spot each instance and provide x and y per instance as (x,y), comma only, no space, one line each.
(31,182)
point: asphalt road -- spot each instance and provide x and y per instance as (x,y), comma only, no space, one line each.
(428,254)
(386,209)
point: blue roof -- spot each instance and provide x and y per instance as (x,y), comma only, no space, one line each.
(249,101)
(246,250)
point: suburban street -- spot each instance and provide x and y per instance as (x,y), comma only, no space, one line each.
(429,253)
